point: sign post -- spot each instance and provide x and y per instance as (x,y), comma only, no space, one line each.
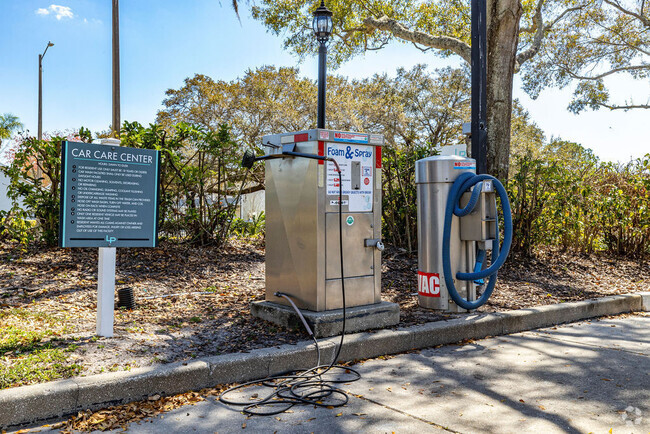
(106,291)
(109,199)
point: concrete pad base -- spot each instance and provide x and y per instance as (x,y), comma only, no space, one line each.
(330,322)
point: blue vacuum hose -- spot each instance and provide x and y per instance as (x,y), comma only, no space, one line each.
(463,183)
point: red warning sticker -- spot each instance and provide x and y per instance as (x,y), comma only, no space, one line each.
(366,181)
(428,284)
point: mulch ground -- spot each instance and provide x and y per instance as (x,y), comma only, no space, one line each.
(194,302)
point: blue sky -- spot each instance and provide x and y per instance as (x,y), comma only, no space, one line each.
(165,41)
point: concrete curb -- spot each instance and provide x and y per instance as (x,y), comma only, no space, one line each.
(29,404)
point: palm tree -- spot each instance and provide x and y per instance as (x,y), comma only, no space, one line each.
(8,125)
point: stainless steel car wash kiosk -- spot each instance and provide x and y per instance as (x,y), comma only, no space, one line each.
(302,229)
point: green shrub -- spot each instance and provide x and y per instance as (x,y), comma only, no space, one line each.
(200,177)
(569,200)
(251,228)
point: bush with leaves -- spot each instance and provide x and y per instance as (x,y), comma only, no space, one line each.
(201,179)
(34,180)
(567,199)
(253,228)
(624,207)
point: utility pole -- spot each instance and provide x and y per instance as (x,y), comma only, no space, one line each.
(479,85)
(40,91)
(116,69)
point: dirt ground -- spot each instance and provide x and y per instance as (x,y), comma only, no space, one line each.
(194,302)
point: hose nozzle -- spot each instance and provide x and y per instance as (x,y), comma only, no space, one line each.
(248,159)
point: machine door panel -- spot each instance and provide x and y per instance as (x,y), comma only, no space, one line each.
(359,291)
(357,259)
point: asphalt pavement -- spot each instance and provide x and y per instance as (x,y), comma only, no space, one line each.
(586,377)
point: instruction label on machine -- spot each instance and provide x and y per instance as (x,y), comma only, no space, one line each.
(357,170)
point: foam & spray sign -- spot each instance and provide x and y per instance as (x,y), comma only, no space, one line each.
(352,158)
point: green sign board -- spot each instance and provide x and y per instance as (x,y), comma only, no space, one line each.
(109,196)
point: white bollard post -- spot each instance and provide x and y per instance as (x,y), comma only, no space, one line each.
(106,281)
(106,291)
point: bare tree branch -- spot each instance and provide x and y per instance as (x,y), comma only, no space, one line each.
(640,17)
(424,50)
(625,107)
(400,31)
(605,74)
(538,24)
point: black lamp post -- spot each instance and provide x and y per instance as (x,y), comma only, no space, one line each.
(322,26)
(40,91)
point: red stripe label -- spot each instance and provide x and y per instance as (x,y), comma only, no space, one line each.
(321,151)
(428,284)
(378,157)
(301,137)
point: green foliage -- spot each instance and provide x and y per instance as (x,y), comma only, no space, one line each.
(567,199)
(15,337)
(16,227)
(34,180)
(426,111)
(292,19)
(45,364)
(624,209)
(593,42)
(399,207)
(526,138)
(251,228)
(200,178)
(24,357)
(9,124)
(416,111)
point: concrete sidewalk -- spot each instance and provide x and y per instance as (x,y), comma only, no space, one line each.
(591,376)
(40,402)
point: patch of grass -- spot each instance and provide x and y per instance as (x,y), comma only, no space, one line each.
(14,339)
(44,364)
(21,330)
(195,319)
(24,357)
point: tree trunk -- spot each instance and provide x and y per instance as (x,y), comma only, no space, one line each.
(502,40)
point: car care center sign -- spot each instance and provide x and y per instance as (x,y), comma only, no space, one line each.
(109,196)
(357,168)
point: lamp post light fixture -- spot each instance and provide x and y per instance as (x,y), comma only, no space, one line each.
(322,26)
(40,91)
